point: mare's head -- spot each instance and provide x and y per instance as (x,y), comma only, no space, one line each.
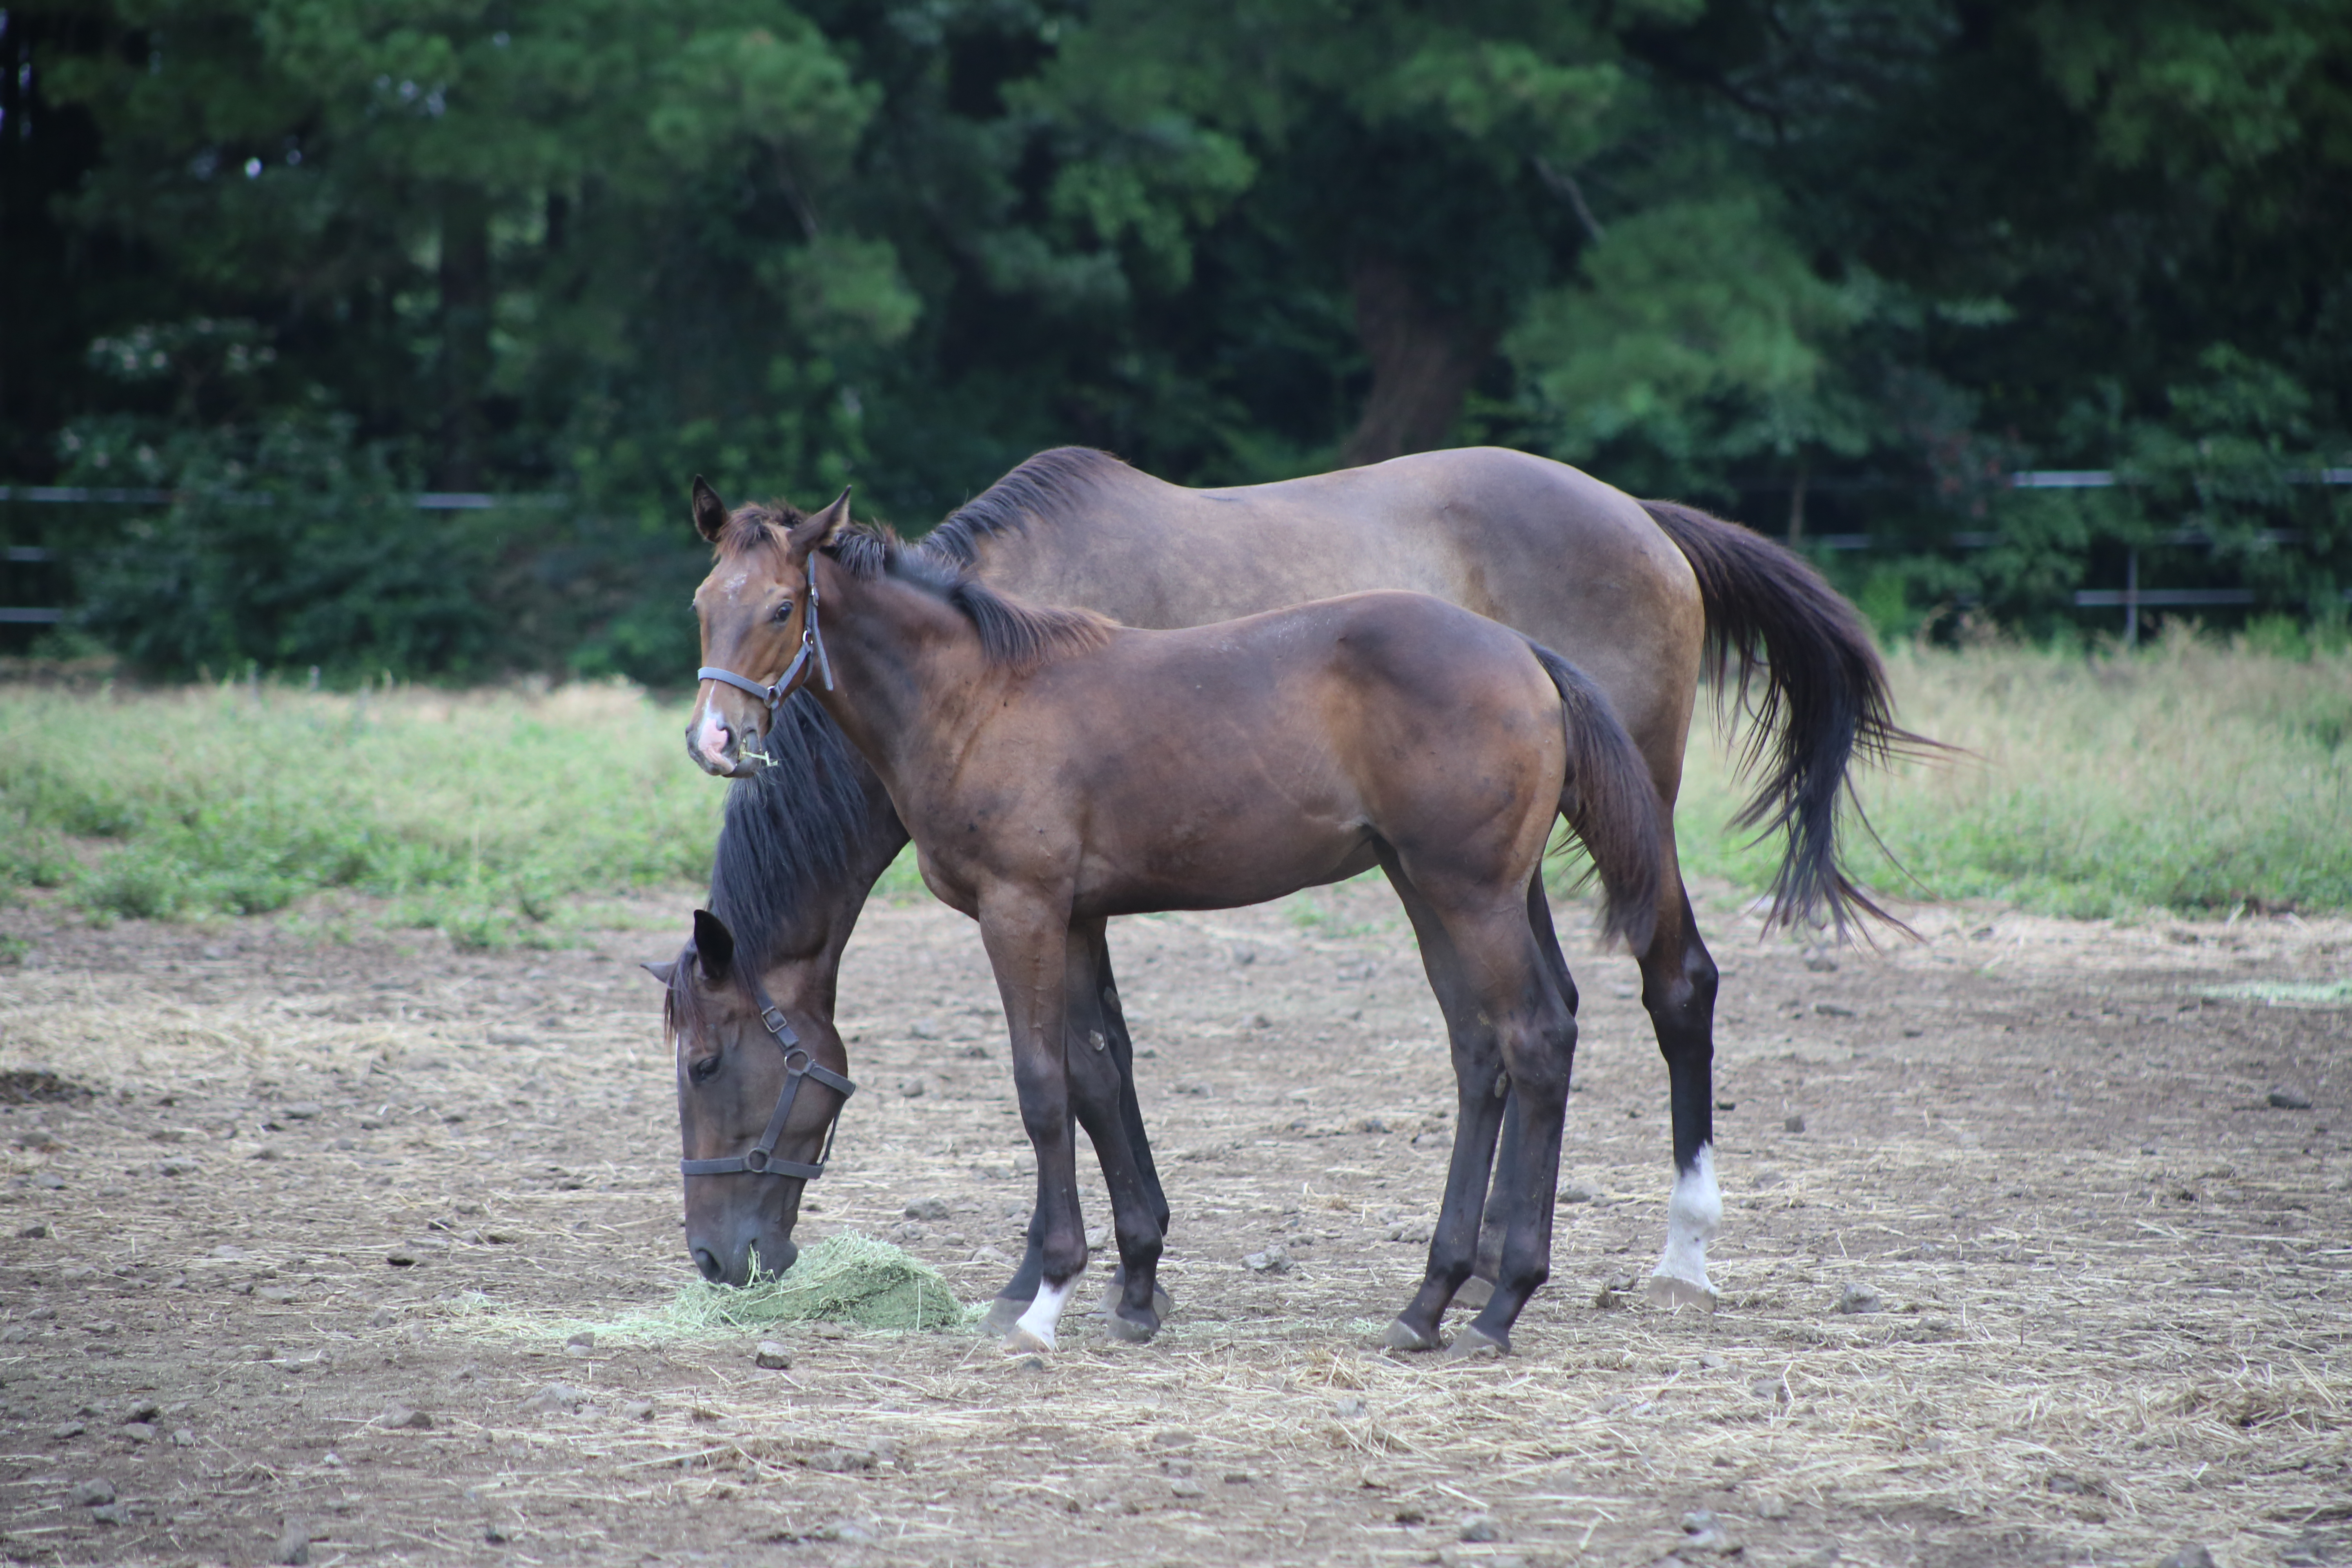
(753,609)
(731,1074)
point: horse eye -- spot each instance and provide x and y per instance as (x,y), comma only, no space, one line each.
(703,1069)
(783,613)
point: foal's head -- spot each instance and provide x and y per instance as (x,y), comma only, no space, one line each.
(730,1072)
(753,609)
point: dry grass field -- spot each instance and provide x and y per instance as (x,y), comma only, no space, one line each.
(298,1240)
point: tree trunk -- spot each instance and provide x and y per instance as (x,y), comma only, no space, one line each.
(1423,359)
(465,334)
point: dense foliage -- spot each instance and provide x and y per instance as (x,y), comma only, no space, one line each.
(1831,265)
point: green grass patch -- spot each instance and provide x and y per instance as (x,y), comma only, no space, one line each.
(2336,993)
(2191,775)
(488,813)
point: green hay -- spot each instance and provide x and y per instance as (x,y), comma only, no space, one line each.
(2336,991)
(847,1278)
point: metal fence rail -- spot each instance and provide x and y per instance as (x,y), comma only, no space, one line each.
(2131,598)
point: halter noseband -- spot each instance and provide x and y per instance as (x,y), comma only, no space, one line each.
(760,1159)
(811,652)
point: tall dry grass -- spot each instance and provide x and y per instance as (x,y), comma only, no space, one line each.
(2192,775)
(2189,776)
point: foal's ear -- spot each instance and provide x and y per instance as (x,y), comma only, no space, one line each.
(714,944)
(811,533)
(709,511)
(661,971)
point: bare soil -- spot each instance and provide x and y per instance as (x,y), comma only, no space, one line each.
(293,1233)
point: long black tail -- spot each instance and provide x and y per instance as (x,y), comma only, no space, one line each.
(1610,801)
(1823,698)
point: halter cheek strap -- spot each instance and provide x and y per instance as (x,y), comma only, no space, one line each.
(811,656)
(760,1159)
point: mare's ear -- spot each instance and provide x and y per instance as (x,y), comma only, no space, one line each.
(709,511)
(715,944)
(661,971)
(811,533)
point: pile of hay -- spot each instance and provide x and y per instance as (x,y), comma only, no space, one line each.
(847,1278)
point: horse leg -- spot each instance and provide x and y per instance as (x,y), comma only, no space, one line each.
(1678,983)
(1097,1081)
(1480,1086)
(1097,1034)
(1535,1037)
(1102,990)
(1479,1288)
(1027,937)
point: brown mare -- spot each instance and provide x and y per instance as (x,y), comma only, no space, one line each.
(1637,594)
(1056,771)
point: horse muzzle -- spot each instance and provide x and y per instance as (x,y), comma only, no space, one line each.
(720,750)
(722,1263)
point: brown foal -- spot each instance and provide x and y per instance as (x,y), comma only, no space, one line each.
(1056,770)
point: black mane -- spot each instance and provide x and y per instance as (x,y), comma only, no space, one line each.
(802,822)
(794,825)
(1021,635)
(1047,485)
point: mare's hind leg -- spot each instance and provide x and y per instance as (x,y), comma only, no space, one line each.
(1480,1287)
(1678,983)
(1097,1040)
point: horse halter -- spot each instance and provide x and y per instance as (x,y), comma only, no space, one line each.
(812,651)
(760,1159)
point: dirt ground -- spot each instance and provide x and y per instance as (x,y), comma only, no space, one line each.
(296,1279)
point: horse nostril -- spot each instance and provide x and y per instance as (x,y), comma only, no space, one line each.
(709,1263)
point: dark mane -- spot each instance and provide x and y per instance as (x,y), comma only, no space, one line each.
(802,824)
(790,827)
(1021,635)
(1047,485)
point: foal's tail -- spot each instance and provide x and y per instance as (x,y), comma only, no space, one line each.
(1609,800)
(1824,698)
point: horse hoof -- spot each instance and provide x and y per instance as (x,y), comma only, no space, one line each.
(1475,1293)
(1002,1313)
(1474,1343)
(1131,1331)
(1024,1342)
(1668,1291)
(1162,1306)
(1402,1336)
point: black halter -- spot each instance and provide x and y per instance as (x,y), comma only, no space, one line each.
(812,651)
(760,1159)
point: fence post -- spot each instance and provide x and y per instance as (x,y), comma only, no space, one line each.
(2131,598)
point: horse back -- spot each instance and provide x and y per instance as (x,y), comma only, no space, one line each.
(1543,548)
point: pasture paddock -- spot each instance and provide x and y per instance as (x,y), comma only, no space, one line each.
(2087,1352)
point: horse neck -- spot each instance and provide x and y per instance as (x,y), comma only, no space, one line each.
(904,664)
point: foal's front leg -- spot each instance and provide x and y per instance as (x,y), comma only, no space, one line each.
(1027,937)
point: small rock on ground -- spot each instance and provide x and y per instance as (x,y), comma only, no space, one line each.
(1272,1260)
(94,1492)
(1348,1408)
(1477,1527)
(774,1357)
(1857,1298)
(928,1209)
(1702,1532)
(1793,1125)
(2283,1099)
